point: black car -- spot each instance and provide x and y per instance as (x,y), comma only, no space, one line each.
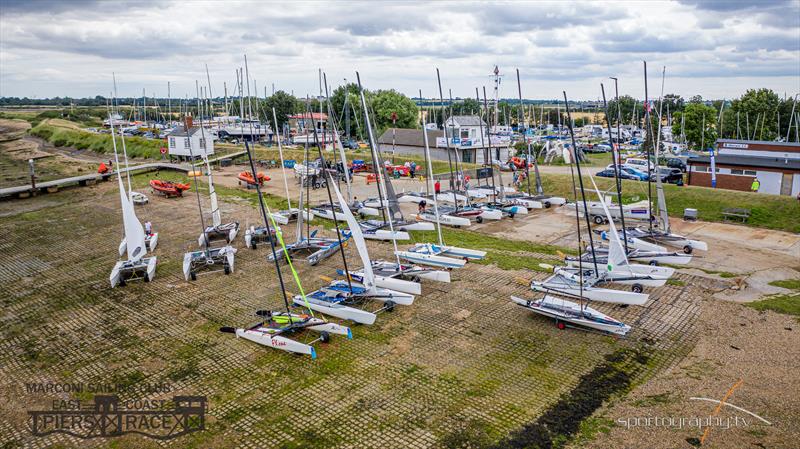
(609,173)
(670,175)
(674,162)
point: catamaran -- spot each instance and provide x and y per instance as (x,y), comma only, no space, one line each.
(440,255)
(284,216)
(135,266)
(275,326)
(565,285)
(661,233)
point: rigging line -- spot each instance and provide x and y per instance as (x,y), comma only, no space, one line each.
(261,205)
(615,157)
(521,125)
(580,181)
(324,170)
(447,139)
(489,137)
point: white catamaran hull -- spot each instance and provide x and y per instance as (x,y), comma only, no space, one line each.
(593,293)
(447,220)
(573,313)
(383,234)
(431,259)
(337,310)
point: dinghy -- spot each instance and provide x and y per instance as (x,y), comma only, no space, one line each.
(285,216)
(275,327)
(573,314)
(255,235)
(247,178)
(168,188)
(135,266)
(217,230)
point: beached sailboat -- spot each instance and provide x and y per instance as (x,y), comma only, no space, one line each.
(275,326)
(563,288)
(135,266)
(440,255)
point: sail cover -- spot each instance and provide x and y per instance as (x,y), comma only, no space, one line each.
(616,252)
(358,237)
(134,233)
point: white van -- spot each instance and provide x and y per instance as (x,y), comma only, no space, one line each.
(639,164)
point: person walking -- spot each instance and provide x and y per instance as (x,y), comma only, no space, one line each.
(755,185)
(412,169)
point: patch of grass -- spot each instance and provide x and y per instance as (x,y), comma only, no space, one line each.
(778,212)
(676,282)
(68,136)
(591,427)
(786,304)
(791,284)
(726,274)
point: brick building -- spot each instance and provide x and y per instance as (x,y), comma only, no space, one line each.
(739,162)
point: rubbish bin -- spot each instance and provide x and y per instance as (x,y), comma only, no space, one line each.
(690,214)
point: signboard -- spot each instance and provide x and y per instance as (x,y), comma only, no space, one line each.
(163,150)
(742,146)
(483,173)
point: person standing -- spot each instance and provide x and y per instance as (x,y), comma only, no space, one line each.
(437,187)
(755,185)
(148,228)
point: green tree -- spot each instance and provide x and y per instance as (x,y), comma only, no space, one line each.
(387,102)
(758,114)
(694,115)
(626,103)
(284,104)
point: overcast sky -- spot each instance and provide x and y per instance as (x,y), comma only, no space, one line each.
(715,49)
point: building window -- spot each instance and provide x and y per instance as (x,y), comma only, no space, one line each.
(202,143)
(172,142)
(186,142)
(743,172)
(465,133)
(750,172)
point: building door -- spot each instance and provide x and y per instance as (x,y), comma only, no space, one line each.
(786,184)
(467,156)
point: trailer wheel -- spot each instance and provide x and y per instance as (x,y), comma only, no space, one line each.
(389,306)
(227,269)
(253,244)
(687,249)
(654,263)
(479,219)
(193,276)
(362,215)
(121,281)
(561,325)
(511,215)
(547,204)
(637,288)
(599,220)
(416,279)
(324,336)
(146,278)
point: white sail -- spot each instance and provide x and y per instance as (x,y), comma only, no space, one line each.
(358,237)
(616,252)
(134,232)
(216,218)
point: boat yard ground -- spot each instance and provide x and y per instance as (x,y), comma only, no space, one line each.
(462,367)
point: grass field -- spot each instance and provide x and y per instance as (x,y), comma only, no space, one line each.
(777,212)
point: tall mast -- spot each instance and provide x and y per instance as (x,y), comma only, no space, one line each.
(337,139)
(615,161)
(489,136)
(447,141)
(649,152)
(583,193)
(261,201)
(429,167)
(522,126)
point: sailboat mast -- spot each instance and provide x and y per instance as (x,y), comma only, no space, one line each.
(337,139)
(324,171)
(580,182)
(429,167)
(649,152)
(616,161)
(447,140)
(522,125)
(124,149)
(283,169)
(262,208)
(489,136)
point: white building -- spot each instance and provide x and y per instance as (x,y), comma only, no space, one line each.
(179,141)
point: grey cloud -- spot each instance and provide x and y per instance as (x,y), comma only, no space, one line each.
(734,5)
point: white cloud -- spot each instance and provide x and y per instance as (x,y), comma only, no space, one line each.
(716,49)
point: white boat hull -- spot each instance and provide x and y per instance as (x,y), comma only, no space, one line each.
(612,326)
(594,293)
(447,220)
(337,310)
(382,234)
(431,260)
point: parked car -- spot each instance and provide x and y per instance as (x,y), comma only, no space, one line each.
(638,164)
(602,147)
(671,175)
(675,162)
(609,173)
